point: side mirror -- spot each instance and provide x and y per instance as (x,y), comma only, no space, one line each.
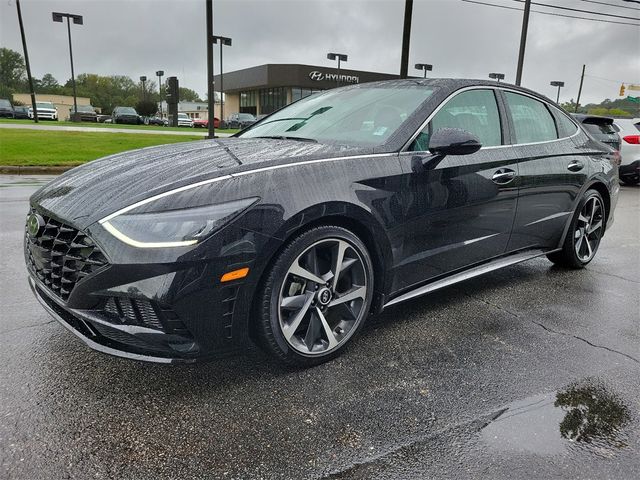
(453,141)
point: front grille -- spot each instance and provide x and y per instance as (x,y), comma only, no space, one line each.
(60,256)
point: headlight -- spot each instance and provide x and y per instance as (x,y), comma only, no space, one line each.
(182,227)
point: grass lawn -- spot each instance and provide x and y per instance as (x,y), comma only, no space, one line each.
(110,125)
(49,148)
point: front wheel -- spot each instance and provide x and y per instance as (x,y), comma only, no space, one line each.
(585,233)
(315,297)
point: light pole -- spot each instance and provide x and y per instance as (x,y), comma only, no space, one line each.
(26,61)
(496,76)
(77,19)
(223,41)
(159,74)
(143,79)
(559,85)
(341,57)
(424,66)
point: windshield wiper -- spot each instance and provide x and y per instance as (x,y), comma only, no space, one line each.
(283,137)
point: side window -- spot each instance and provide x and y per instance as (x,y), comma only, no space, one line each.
(532,121)
(566,127)
(475,111)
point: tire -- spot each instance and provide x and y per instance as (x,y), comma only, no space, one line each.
(585,233)
(303,322)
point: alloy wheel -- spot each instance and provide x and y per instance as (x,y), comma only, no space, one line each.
(323,296)
(589,229)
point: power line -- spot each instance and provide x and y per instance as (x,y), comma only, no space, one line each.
(590,12)
(551,14)
(610,79)
(612,5)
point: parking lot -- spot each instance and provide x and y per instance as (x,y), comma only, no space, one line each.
(531,371)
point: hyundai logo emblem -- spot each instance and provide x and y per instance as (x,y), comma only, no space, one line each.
(316,76)
(34,223)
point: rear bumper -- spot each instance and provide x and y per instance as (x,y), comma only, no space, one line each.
(135,343)
(630,172)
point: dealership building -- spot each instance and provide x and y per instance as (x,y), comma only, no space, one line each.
(266,88)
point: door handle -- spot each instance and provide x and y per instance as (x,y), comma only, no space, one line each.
(575,166)
(503,176)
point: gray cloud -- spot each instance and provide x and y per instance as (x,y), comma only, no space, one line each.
(461,40)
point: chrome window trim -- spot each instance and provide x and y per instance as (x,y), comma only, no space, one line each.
(406,146)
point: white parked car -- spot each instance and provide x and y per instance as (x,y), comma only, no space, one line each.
(46,111)
(629,131)
(184,120)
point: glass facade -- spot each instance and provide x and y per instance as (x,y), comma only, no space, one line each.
(272,99)
(298,93)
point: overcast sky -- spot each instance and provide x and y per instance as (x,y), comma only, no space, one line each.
(138,37)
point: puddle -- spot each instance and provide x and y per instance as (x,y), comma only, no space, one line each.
(583,417)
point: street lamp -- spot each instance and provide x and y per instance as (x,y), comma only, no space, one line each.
(223,41)
(558,84)
(341,57)
(424,66)
(143,79)
(497,76)
(159,74)
(77,19)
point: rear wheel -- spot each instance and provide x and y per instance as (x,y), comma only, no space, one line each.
(585,233)
(315,296)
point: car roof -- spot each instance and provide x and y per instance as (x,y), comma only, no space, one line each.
(451,84)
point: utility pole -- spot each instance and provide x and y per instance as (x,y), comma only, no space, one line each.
(211,94)
(406,39)
(26,61)
(523,40)
(580,89)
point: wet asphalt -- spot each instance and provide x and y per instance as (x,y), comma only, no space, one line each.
(529,372)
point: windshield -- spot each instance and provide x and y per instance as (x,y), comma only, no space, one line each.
(246,116)
(365,115)
(44,105)
(127,110)
(183,115)
(5,103)
(85,108)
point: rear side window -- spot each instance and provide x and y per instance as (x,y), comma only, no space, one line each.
(566,127)
(475,111)
(532,120)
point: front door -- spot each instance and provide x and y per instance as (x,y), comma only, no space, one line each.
(460,210)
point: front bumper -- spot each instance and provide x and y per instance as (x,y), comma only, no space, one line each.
(81,327)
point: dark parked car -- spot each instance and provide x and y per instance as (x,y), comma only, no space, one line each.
(336,207)
(21,112)
(158,121)
(6,109)
(600,128)
(239,120)
(125,115)
(87,113)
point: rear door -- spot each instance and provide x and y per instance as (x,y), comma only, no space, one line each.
(551,170)
(458,211)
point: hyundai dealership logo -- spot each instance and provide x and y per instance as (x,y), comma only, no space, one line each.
(318,76)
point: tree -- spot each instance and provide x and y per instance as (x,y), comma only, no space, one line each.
(12,72)
(146,108)
(188,95)
(49,84)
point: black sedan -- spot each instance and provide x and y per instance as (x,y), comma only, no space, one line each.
(338,206)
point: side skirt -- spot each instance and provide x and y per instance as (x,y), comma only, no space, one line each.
(467,274)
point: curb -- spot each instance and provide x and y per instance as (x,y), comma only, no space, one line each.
(35,170)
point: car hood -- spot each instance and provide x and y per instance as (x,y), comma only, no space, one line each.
(92,191)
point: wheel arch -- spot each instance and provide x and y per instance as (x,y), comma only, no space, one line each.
(349,216)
